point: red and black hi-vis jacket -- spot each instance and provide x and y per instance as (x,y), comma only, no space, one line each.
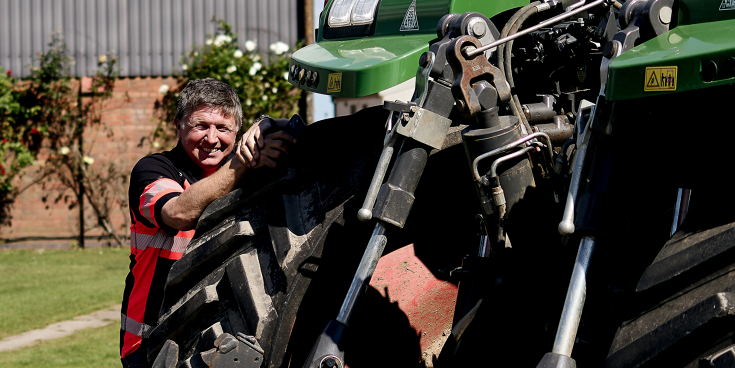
(154,246)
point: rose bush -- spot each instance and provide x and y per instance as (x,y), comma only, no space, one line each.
(47,111)
(261,82)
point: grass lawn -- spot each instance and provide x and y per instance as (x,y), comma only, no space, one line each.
(39,288)
(92,348)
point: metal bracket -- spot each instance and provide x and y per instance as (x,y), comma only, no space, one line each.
(426,127)
(231,352)
(470,69)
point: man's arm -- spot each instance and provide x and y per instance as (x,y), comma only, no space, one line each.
(183,212)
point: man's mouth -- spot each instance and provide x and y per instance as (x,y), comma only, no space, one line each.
(210,150)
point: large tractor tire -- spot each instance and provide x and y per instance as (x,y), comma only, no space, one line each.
(685,301)
(247,268)
(288,243)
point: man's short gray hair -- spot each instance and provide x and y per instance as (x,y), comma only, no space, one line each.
(210,93)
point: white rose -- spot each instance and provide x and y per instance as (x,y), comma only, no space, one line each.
(102,58)
(250,45)
(184,67)
(231,69)
(256,57)
(222,39)
(163,89)
(64,150)
(248,102)
(238,53)
(88,160)
(279,47)
(265,97)
(208,42)
(274,90)
(285,75)
(255,68)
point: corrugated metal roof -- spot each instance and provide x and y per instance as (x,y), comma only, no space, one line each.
(149,36)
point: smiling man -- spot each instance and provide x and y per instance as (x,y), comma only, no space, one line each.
(170,190)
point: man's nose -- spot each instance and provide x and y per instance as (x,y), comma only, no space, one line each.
(212,136)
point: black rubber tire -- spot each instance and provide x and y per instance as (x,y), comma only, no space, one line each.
(255,249)
(684,304)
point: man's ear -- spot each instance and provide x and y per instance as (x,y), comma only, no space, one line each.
(178,128)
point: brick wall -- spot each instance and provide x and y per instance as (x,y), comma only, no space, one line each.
(129,116)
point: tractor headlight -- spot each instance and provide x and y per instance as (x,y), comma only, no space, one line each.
(364,11)
(348,18)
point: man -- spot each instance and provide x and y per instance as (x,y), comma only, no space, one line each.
(170,190)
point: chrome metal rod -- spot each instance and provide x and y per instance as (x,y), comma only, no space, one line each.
(508,146)
(677,208)
(365,213)
(526,31)
(566,226)
(364,272)
(484,247)
(494,166)
(680,209)
(572,312)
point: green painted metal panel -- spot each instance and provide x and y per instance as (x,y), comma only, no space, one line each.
(365,66)
(685,47)
(701,11)
(428,12)
(370,64)
(488,7)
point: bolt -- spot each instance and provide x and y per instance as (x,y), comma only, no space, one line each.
(610,49)
(460,105)
(329,363)
(406,117)
(414,109)
(478,29)
(664,15)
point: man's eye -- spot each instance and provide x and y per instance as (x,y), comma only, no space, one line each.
(200,127)
(224,129)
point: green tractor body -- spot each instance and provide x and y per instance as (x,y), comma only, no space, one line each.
(384,55)
(381,55)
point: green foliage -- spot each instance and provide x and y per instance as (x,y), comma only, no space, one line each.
(48,110)
(15,154)
(260,81)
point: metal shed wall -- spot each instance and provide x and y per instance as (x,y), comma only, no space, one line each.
(148,36)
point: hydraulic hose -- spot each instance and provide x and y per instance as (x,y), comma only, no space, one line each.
(504,56)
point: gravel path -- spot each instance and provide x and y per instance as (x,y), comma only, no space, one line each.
(61,329)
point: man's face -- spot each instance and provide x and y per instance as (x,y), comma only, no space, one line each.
(208,137)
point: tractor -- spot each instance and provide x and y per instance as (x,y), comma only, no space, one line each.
(545,198)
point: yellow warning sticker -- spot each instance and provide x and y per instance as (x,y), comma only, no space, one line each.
(660,78)
(334,83)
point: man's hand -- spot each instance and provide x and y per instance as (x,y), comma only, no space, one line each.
(256,149)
